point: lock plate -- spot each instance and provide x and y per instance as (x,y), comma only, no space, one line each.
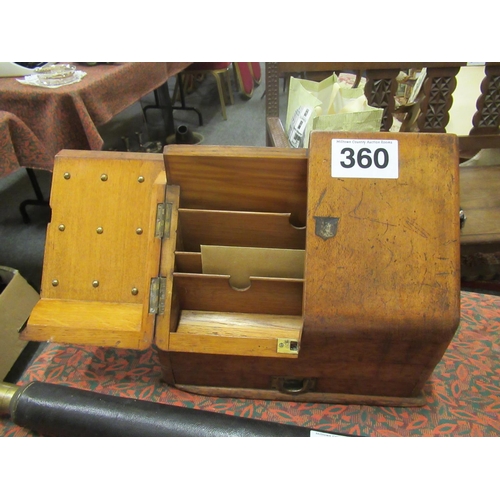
(287,346)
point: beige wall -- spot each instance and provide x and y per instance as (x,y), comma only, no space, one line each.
(465,96)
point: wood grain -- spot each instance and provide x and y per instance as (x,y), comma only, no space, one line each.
(231,228)
(238,178)
(205,292)
(394,262)
(96,323)
(234,333)
(309,397)
(100,242)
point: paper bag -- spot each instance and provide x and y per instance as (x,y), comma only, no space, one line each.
(327,105)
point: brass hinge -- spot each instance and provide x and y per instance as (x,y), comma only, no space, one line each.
(157,294)
(163,220)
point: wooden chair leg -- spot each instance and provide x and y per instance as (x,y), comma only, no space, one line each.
(227,76)
(221,94)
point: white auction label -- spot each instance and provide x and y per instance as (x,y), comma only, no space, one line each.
(365,158)
(315,434)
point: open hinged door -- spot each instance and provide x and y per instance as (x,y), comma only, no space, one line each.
(102,253)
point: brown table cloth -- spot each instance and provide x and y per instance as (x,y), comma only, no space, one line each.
(19,146)
(67,117)
(462,395)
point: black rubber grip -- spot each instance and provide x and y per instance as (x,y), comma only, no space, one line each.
(57,410)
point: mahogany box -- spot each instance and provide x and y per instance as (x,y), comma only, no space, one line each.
(328,275)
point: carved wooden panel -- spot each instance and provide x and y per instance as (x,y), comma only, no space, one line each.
(487,118)
(272,96)
(272,89)
(379,90)
(436,103)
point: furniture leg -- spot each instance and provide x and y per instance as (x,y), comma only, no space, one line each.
(183,101)
(166,108)
(229,87)
(221,96)
(40,200)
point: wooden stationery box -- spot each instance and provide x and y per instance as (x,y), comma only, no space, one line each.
(262,272)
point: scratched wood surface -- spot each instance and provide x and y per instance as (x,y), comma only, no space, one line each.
(394,261)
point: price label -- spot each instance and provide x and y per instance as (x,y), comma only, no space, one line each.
(364,158)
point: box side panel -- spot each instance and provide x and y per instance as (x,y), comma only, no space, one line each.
(393,262)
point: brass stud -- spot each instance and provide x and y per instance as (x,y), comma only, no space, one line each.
(95,283)
(135,291)
(99,230)
(139,230)
(140,179)
(67,175)
(55,282)
(61,227)
(104,177)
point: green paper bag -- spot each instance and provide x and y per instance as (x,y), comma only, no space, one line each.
(327,105)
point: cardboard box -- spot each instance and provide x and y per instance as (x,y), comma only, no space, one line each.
(17,299)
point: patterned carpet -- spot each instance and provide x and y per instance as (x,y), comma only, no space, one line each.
(463,394)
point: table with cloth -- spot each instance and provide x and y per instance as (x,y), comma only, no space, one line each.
(462,395)
(37,122)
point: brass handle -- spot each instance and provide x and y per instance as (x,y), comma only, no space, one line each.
(294,386)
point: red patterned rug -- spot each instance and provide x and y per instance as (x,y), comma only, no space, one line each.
(463,394)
